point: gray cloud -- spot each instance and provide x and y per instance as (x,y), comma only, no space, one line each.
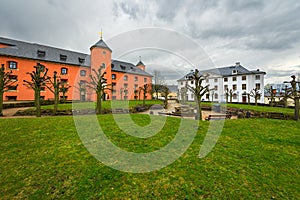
(261,33)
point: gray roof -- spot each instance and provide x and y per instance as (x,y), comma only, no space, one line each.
(101,44)
(30,50)
(120,66)
(227,71)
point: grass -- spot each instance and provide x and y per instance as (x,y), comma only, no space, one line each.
(43,158)
(252,107)
(105,104)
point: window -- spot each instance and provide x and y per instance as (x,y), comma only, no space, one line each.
(216,87)
(82,82)
(207,96)
(244,78)
(257,86)
(181,83)
(125,78)
(12,65)
(103,52)
(135,86)
(136,78)
(207,80)
(225,87)
(234,87)
(192,82)
(64,71)
(112,66)
(103,66)
(81,60)
(145,80)
(41,54)
(62,57)
(216,96)
(43,89)
(244,87)
(234,96)
(13,77)
(225,79)
(215,80)
(234,71)
(82,73)
(125,85)
(65,81)
(113,76)
(12,87)
(234,78)
(257,77)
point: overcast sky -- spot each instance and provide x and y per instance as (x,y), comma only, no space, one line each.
(262,34)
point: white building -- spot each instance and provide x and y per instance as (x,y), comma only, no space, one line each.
(236,78)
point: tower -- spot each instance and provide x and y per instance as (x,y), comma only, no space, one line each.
(101,58)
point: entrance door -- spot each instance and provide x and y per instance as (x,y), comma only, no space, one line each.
(244,99)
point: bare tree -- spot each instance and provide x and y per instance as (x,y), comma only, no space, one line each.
(295,95)
(145,89)
(269,90)
(99,85)
(5,83)
(199,90)
(255,93)
(165,92)
(38,80)
(64,88)
(229,94)
(54,88)
(158,83)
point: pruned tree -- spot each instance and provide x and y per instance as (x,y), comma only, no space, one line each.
(99,85)
(165,91)
(53,86)
(64,88)
(229,94)
(38,80)
(256,94)
(145,89)
(269,90)
(5,83)
(199,90)
(295,95)
(158,83)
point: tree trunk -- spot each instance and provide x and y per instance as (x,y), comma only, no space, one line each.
(144,99)
(56,99)
(199,113)
(98,104)
(1,103)
(256,101)
(37,102)
(296,108)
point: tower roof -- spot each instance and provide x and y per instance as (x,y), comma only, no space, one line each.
(140,63)
(101,44)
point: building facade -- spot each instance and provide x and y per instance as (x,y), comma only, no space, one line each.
(73,68)
(234,78)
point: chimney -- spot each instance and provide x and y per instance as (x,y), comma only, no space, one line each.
(257,70)
(237,64)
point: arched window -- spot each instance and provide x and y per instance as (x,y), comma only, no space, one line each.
(82,73)
(125,78)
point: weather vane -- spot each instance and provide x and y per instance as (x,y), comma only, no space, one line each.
(101,33)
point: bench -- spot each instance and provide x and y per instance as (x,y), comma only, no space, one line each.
(275,115)
(218,117)
(120,111)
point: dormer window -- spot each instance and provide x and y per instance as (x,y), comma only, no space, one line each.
(234,71)
(123,67)
(112,65)
(103,66)
(63,57)
(41,54)
(12,65)
(81,60)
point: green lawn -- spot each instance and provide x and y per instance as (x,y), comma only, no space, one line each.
(251,107)
(105,104)
(43,158)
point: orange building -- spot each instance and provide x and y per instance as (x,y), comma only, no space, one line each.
(73,68)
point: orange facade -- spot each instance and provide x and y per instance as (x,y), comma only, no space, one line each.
(126,78)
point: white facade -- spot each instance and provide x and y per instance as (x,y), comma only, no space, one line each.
(236,78)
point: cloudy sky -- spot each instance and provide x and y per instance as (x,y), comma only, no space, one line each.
(262,34)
